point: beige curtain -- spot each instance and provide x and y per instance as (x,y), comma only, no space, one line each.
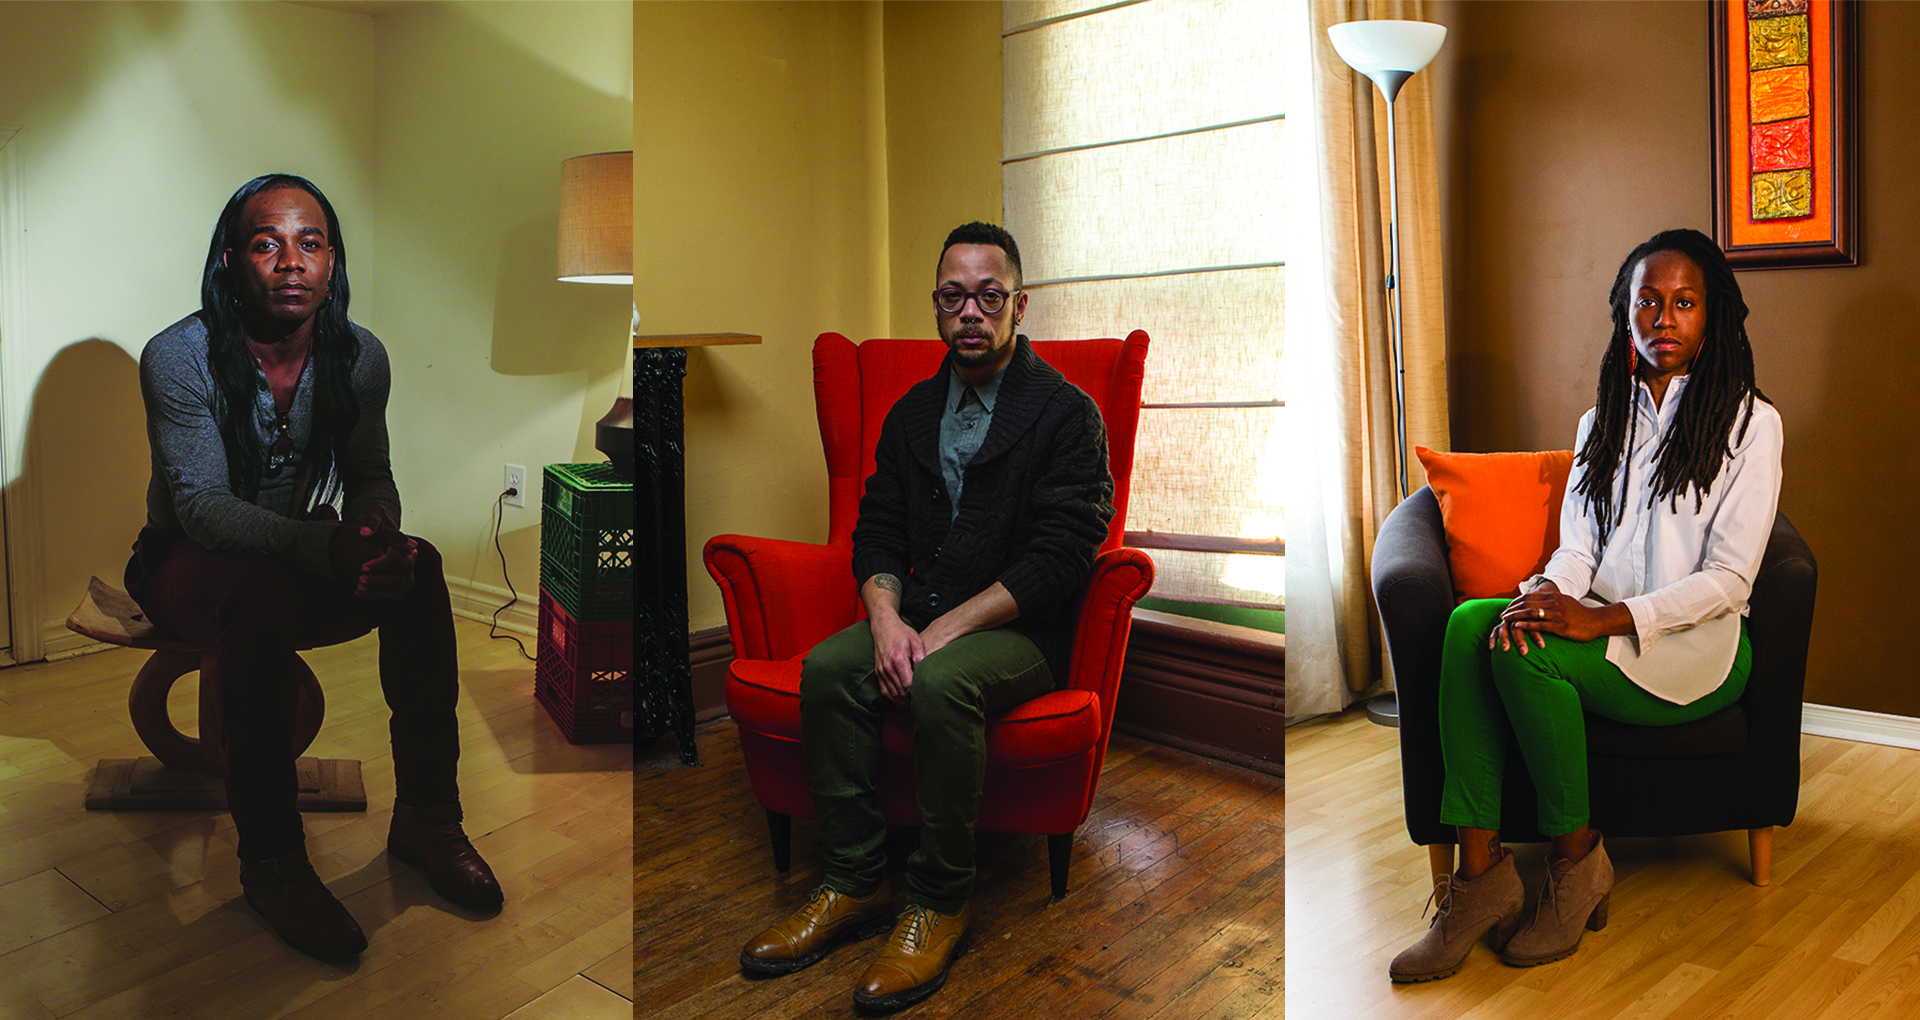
(1339,377)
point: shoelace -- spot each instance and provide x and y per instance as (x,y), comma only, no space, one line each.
(909,936)
(1442,897)
(1557,872)
(822,899)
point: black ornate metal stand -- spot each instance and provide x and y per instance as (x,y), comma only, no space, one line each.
(664,695)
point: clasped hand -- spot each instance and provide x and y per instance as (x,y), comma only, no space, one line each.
(897,649)
(375,554)
(1542,611)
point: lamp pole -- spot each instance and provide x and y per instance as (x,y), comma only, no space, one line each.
(1389,53)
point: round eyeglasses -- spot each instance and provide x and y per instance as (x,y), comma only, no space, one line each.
(952,299)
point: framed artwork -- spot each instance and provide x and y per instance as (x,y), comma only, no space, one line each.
(1784,155)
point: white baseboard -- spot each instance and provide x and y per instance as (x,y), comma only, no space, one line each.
(57,642)
(1865,727)
(475,601)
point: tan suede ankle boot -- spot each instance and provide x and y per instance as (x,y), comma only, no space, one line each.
(1468,908)
(1574,900)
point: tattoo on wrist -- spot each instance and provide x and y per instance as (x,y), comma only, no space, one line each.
(888,582)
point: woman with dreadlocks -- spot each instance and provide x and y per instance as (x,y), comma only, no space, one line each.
(264,408)
(1639,615)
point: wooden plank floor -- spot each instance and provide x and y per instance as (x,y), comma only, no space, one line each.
(1836,935)
(138,914)
(1174,910)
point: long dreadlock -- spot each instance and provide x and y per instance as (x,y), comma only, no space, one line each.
(1720,381)
(335,349)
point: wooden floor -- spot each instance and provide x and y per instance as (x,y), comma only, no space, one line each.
(138,914)
(1174,911)
(1836,935)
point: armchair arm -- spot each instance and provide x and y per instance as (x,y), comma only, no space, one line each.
(1120,577)
(1779,625)
(782,597)
(1413,586)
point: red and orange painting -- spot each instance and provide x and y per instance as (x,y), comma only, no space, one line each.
(1783,188)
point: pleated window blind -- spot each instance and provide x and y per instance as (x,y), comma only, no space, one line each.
(1141,173)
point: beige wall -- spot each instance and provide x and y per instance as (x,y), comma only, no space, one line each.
(772,198)
(494,361)
(435,129)
(136,121)
(1563,155)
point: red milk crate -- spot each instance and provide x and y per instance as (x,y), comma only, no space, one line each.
(583,676)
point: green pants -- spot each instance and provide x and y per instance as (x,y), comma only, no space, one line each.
(954,690)
(1491,697)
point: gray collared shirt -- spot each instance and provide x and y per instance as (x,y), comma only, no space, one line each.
(964,422)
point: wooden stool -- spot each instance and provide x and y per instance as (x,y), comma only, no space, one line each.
(186,773)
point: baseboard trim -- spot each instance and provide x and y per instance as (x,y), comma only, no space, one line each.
(1210,688)
(1860,725)
(709,651)
(57,642)
(475,601)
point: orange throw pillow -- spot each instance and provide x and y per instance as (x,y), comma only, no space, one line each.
(1502,515)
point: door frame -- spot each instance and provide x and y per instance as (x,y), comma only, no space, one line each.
(20,557)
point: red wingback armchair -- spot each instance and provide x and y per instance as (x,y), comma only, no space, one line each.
(782,598)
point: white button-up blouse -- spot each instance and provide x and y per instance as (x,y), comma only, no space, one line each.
(1684,574)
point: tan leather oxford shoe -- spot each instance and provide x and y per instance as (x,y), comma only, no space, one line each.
(914,963)
(805,935)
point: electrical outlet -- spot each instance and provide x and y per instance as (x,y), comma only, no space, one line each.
(517,482)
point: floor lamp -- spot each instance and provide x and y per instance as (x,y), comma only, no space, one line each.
(1390,52)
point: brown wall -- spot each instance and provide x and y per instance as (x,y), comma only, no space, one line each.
(1573,131)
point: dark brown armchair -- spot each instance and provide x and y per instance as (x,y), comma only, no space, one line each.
(1736,769)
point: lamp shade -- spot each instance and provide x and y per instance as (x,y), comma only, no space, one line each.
(1371,46)
(596,218)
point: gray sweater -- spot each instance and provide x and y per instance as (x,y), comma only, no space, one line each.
(190,492)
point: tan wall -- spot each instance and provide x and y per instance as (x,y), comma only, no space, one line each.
(773,198)
(1565,154)
(437,132)
(943,140)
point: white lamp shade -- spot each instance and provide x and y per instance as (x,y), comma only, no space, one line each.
(1373,46)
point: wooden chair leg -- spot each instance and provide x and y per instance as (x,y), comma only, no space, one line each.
(1760,849)
(1059,853)
(1440,859)
(780,832)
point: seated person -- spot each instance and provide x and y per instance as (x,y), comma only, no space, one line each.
(1639,616)
(989,498)
(263,408)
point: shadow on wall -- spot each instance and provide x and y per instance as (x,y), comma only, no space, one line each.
(86,457)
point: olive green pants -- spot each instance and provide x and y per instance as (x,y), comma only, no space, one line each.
(954,690)
(1489,698)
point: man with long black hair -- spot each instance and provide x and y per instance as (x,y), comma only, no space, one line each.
(264,408)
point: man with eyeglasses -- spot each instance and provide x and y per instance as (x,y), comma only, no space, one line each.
(989,498)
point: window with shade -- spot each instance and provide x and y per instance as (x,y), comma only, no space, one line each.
(1141,172)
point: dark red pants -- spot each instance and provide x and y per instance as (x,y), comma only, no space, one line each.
(252,610)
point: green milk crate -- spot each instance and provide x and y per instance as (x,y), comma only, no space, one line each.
(586,541)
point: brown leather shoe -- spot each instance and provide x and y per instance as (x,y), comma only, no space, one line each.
(914,963)
(300,909)
(431,838)
(804,936)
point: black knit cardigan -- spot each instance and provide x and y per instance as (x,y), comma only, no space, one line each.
(1035,507)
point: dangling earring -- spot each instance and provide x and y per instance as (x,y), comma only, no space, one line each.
(1633,360)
